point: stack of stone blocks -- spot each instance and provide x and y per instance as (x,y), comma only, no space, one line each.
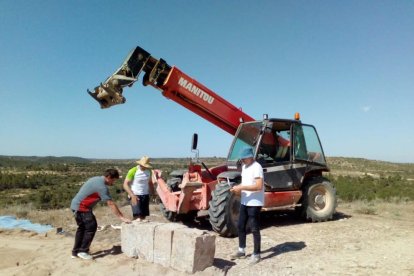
(169,244)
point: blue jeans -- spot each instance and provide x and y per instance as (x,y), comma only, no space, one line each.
(251,215)
(85,233)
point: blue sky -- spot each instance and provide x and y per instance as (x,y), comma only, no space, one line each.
(346,66)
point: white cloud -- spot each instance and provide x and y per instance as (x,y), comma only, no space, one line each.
(366,108)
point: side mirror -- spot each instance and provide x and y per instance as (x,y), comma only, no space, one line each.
(194,141)
(194,146)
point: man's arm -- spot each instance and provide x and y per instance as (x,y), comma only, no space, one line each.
(127,187)
(257,186)
(116,211)
(151,182)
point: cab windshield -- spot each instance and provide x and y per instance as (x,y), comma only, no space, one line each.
(247,136)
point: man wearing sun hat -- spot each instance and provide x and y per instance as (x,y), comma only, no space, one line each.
(138,184)
(252,200)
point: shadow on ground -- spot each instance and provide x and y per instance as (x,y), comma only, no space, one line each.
(286,218)
(222,264)
(282,248)
(115,250)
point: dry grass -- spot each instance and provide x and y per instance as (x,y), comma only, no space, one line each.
(64,218)
(56,218)
(391,209)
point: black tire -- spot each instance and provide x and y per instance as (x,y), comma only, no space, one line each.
(319,200)
(171,216)
(223,211)
(188,217)
(174,217)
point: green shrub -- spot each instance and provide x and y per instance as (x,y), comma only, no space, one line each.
(369,188)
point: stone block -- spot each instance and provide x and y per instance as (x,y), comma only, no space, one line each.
(128,240)
(137,239)
(169,244)
(192,250)
(163,241)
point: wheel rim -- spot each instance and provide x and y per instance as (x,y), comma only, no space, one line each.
(319,198)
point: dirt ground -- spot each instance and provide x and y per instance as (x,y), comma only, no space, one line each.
(361,240)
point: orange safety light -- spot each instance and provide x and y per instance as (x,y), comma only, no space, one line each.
(297,116)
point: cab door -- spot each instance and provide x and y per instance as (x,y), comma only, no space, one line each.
(275,156)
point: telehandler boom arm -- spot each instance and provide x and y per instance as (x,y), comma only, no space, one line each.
(174,85)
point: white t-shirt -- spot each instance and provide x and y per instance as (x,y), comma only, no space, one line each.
(140,181)
(249,174)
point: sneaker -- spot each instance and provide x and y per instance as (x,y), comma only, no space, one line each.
(85,256)
(238,255)
(74,256)
(254,259)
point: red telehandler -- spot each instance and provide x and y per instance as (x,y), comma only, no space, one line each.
(289,151)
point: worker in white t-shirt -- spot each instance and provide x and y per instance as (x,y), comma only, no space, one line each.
(138,184)
(252,200)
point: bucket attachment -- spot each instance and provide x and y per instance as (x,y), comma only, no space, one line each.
(109,92)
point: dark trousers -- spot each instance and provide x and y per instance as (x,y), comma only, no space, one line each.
(251,215)
(141,210)
(87,226)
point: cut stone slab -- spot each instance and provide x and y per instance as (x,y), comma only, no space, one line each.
(169,244)
(128,240)
(163,241)
(137,239)
(192,250)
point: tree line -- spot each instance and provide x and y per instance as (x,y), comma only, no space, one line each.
(50,183)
